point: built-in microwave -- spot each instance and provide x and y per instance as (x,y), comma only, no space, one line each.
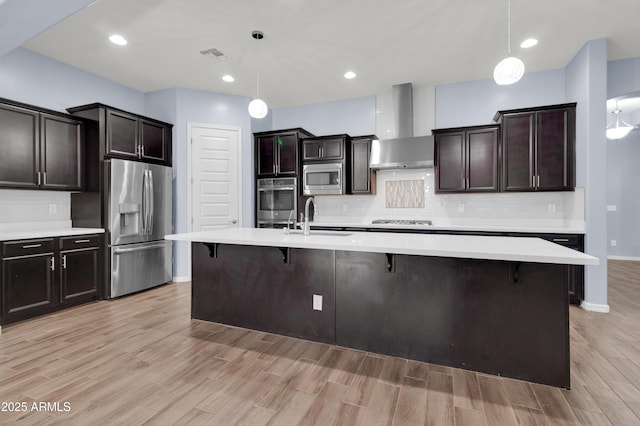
(323,179)
(277,200)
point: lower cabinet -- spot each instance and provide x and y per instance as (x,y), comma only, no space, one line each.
(43,275)
(79,268)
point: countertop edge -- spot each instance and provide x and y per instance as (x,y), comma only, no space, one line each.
(533,250)
(49,233)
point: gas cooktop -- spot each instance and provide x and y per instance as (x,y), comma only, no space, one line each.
(401,222)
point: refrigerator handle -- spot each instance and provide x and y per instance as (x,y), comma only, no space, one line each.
(144,203)
(151,202)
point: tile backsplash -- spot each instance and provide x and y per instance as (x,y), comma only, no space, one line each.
(403,202)
(20,209)
(404,193)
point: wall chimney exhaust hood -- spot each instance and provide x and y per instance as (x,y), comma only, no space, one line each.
(405,150)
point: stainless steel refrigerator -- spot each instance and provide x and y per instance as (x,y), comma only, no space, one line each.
(138,215)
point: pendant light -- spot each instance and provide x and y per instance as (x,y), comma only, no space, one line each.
(618,131)
(257,107)
(510,69)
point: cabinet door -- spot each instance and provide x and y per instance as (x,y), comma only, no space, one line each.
(19,156)
(122,135)
(482,160)
(360,171)
(517,152)
(287,148)
(552,150)
(311,150)
(265,147)
(153,139)
(79,274)
(28,286)
(61,152)
(450,161)
(333,149)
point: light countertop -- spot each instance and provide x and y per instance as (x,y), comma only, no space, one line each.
(523,249)
(462,224)
(47,233)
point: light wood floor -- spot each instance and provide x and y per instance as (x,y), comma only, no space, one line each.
(141,360)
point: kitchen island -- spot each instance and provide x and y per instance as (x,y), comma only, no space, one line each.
(498,305)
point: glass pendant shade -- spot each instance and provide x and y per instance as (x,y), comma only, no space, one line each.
(508,71)
(258,108)
(619,131)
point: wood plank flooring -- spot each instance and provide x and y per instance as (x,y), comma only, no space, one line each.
(142,360)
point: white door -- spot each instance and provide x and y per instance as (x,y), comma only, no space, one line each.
(215,177)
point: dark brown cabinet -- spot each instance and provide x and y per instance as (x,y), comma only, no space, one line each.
(363,179)
(43,275)
(80,261)
(39,149)
(61,151)
(120,134)
(324,148)
(538,148)
(28,282)
(466,159)
(277,152)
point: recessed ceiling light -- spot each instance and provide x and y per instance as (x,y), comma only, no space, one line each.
(228,78)
(118,39)
(530,42)
(349,75)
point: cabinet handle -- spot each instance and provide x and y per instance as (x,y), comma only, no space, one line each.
(53,264)
(538,181)
(38,177)
(44,178)
(141,151)
(28,246)
(560,240)
(273,169)
(322,152)
(64,261)
(81,241)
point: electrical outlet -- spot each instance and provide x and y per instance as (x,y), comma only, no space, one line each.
(612,208)
(53,208)
(345,207)
(317,302)
(614,243)
(460,207)
(551,207)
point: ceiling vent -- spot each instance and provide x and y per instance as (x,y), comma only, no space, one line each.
(213,53)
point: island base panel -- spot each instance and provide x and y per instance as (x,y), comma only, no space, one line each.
(462,313)
(265,288)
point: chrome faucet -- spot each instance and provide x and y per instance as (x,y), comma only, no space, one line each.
(306,228)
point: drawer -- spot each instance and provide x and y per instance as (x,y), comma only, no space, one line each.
(27,247)
(79,242)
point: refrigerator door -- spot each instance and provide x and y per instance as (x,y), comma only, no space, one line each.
(126,209)
(160,203)
(136,267)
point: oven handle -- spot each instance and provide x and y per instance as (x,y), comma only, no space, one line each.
(280,188)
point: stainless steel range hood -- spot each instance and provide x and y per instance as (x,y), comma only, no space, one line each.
(405,151)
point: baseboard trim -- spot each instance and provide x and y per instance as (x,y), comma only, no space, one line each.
(181,279)
(594,307)
(634,259)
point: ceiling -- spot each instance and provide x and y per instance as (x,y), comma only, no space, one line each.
(310,44)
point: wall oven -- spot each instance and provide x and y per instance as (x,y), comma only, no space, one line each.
(322,179)
(277,200)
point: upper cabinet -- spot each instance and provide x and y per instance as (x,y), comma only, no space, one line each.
(538,148)
(363,179)
(324,148)
(466,159)
(40,149)
(129,136)
(277,152)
